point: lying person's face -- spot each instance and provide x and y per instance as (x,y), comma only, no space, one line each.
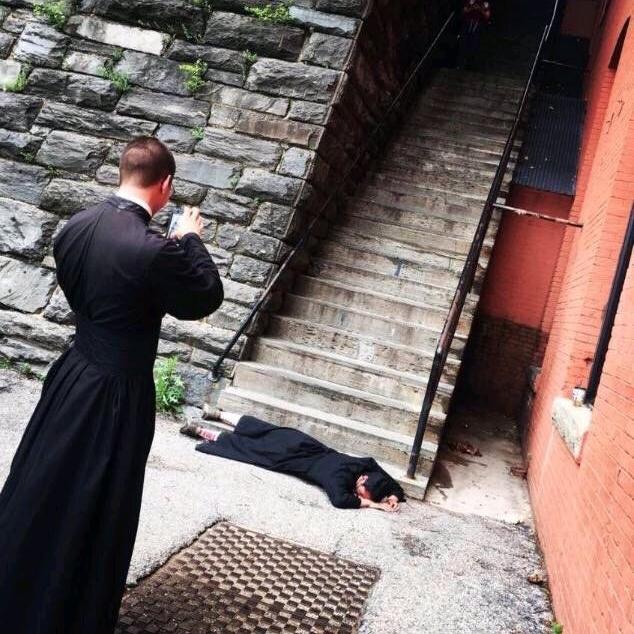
(360,489)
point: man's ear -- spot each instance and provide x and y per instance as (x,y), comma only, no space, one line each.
(166,185)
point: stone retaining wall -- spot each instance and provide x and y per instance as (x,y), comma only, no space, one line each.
(279,118)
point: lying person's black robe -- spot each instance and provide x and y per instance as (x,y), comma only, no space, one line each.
(293,452)
(70,506)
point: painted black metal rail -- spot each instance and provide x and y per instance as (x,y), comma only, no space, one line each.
(303,240)
(471,264)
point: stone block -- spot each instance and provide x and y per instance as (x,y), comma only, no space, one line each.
(274,220)
(218,58)
(94,28)
(6,43)
(58,310)
(228,207)
(154,73)
(284,130)
(9,72)
(196,333)
(17,145)
(24,287)
(16,21)
(308,111)
(258,183)
(176,137)
(164,108)
(41,45)
(175,16)
(298,81)
(18,112)
(181,351)
(239,32)
(197,383)
(216,173)
(22,182)
(188,193)
(221,258)
(34,329)
(354,8)
(330,51)
(260,246)
(107,175)
(75,119)
(65,197)
(246,100)
(239,147)
(91,92)
(216,76)
(229,316)
(326,22)
(296,162)
(241,293)
(229,236)
(223,116)
(26,230)
(250,270)
(73,152)
(87,63)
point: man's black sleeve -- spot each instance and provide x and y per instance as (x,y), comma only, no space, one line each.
(184,279)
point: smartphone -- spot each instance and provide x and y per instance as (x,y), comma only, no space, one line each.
(175,218)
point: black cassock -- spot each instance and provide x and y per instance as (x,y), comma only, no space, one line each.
(69,509)
(293,452)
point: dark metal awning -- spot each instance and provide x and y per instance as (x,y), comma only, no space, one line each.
(550,152)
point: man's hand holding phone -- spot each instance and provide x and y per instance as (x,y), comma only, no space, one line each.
(189,222)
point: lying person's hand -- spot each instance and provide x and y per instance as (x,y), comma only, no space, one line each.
(388,507)
(393,501)
(190,222)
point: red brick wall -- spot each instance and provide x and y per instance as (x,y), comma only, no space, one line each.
(584,510)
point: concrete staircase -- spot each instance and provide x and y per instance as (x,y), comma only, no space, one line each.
(347,357)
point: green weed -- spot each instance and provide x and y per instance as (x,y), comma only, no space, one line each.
(556,628)
(117,78)
(170,390)
(21,368)
(194,75)
(27,157)
(19,83)
(276,13)
(198,132)
(55,12)
(248,59)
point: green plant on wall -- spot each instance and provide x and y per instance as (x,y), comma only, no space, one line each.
(248,59)
(194,75)
(556,628)
(198,132)
(276,13)
(118,79)
(19,83)
(21,368)
(170,390)
(205,5)
(55,12)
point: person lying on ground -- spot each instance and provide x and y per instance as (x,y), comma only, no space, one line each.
(349,482)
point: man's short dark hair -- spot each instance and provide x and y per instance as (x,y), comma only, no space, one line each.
(146,161)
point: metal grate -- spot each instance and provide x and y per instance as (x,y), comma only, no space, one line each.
(235,580)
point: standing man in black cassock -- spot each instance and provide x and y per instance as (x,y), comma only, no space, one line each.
(69,509)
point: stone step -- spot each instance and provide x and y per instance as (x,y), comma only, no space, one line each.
(421,334)
(340,433)
(441,123)
(429,162)
(486,118)
(389,183)
(468,150)
(380,413)
(416,220)
(342,370)
(443,133)
(443,95)
(478,187)
(358,276)
(487,84)
(378,303)
(440,270)
(407,236)
(363,347)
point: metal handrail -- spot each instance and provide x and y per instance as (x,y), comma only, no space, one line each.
(215,371)
(469,270)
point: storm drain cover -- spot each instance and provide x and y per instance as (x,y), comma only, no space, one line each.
(235,580)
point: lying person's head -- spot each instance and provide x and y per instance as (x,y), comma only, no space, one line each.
(374,486)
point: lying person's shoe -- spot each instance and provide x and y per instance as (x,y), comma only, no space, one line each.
(190,430)
(211,413)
